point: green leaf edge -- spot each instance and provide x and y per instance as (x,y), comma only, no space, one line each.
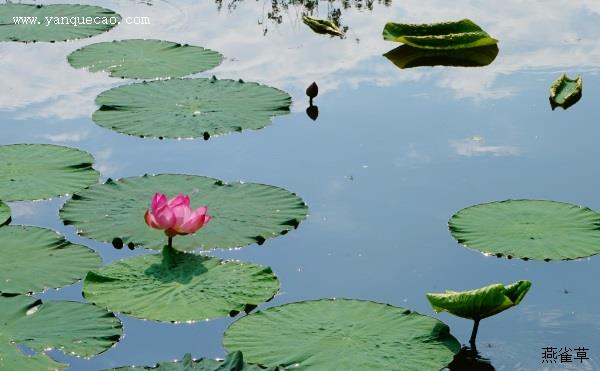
(6,209)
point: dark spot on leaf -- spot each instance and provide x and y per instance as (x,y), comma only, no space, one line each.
(260,240)
(131,246)
(249,308)
(234,313)
(206,135)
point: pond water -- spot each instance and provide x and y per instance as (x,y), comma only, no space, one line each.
(393,154)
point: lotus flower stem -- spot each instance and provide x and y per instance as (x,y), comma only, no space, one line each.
(170,243)
(474,333)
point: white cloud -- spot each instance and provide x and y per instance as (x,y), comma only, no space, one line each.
(72,136)
(476,146)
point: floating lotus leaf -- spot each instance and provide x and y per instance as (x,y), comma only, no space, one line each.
(446,35)
(145,59)
(233,362)
(189,108)
(343,334)
(565,92)
(4,214)
(480,303)
(406,56)
(529,229)
(33,259)
(177,286)
(243,213)
(322,26)
(72,327)
(39,171)
(39,22)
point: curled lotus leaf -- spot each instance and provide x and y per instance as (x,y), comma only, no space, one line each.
(565,92)
(444,35)
(480,303)
(322,26)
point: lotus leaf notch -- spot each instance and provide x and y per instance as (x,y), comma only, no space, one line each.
(479,303)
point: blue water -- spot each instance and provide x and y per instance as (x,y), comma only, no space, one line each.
(393,154)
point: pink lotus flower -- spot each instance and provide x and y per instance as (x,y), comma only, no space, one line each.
(175,216)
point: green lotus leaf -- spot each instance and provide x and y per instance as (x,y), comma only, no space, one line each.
(177,286)
(4,214)
(71,327)
(54,22)
(565,92)
(40,171)
(243,213)
(480,303)
(406,56)
(189,108)
(233,362)
(445,35)
(322,26)
(342,334)
(528,229)
(145,59)
(33,259)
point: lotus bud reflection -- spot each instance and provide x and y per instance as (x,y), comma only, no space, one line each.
(175,216)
